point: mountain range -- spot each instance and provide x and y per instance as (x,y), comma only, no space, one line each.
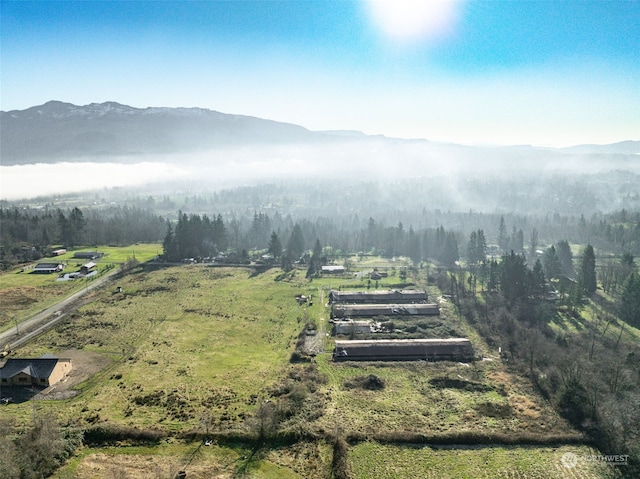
(58,131)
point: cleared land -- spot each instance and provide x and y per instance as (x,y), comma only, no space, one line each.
(206,350)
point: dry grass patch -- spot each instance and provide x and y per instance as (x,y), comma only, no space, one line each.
(433,399)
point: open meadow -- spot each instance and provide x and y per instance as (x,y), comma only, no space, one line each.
(196,351)
(24,293)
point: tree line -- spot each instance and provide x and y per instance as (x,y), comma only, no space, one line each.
(591,374)
(29,234)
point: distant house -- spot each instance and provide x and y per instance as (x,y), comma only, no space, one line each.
(87,255)
(48,268)
(333,269)
(401,296)
(88,267)
(350,326)
(377,275)
(370,310)
(58,252)
(454,349)
(44,371)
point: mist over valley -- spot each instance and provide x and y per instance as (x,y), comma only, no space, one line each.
(60,148)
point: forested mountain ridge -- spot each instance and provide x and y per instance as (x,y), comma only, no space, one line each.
(109,131)
(59,131)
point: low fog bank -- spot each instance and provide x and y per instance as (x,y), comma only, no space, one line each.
(40,180)
(396,173)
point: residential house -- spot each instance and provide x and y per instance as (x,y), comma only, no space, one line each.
(44,371)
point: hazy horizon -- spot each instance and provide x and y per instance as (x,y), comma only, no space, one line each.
(543,73)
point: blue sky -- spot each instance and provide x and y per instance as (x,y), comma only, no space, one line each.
(557,73)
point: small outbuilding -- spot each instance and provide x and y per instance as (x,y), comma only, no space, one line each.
(59,252)
(44,371)
(332,269)
(88,267)
(453,349)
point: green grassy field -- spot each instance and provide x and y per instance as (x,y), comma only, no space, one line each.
(399,462)
(23,293)
(195,348)
(201,462)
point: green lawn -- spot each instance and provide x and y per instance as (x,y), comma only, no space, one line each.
(484,462)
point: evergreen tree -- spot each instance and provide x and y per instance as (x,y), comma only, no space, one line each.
(565,256)
(472,246)
(551,263)
(275,247)
(477,247)
(76,224)
(66,235)
(219,234)
(413,247)
(533,243)
(295,245)
(630,300)
(513,277)
(169,247)
(450,252)
(481,247)
(316,261)
(588,270)
(503,238)
(538,280)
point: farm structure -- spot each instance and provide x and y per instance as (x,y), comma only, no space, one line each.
(452,349)
(372,310)
(87,255)
(87,268)
(349,326)
(397,296)
(48,268)
(331,269)
(59,252)
(44,371)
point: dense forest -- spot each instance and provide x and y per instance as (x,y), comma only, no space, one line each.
(355,218)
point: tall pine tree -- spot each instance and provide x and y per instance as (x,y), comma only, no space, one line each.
(588,270)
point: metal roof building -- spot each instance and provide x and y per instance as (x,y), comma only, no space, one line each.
(380,296)
(453,349)
(371,310)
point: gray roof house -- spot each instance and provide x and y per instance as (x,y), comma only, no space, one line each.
(44,371)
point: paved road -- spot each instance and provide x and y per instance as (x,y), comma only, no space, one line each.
(47,318)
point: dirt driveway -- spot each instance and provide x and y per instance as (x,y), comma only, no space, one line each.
(84,365)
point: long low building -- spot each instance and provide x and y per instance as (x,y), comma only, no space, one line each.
(372,310)
(48,268)
(453,349)
(380,296)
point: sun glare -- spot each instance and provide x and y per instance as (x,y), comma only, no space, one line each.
(414,20)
